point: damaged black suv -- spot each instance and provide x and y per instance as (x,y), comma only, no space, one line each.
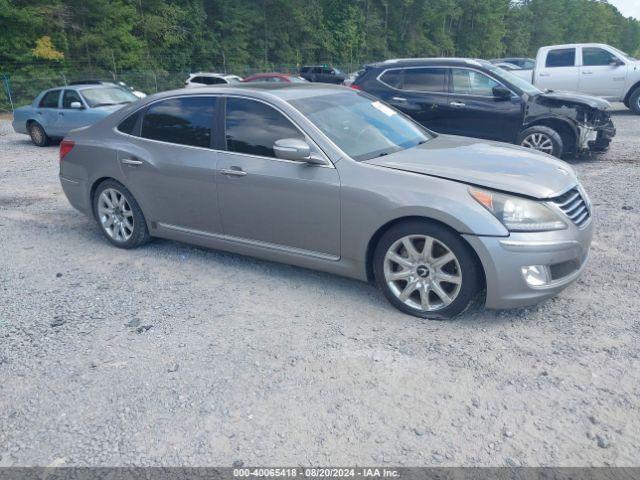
(475,98)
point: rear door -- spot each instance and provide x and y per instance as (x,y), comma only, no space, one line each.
(47,113)
(476,112)
(603,74)
(281,204)
(169,164)
(421,93)
(560,71)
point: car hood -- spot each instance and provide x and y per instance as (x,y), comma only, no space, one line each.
(570,98)
(110,108)
(498,166)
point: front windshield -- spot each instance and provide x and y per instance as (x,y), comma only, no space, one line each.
(625,55)
(514,80)
(100,97)
(361,126)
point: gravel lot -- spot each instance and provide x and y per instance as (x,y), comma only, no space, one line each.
(175,355)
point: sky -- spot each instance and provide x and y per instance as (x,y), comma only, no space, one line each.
(629,8)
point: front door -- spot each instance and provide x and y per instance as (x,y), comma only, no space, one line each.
(170,168)
(476,112)
(603,74)
(276,203)
(47,113)
(72,117)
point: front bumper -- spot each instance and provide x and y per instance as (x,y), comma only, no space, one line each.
(564,253)
(596,139)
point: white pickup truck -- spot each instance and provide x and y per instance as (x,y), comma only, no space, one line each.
(590,68)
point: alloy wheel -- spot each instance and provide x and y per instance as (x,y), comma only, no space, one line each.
(37,135)
(115,215)
(539,141)
(422,272)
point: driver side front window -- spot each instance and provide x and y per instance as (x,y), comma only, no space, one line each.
(472,82)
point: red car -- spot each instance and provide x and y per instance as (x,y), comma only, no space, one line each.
(274,78)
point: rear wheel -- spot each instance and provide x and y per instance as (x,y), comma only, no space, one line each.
(543,139)
(426,270)
(634,101)
(38,136)
(119,215)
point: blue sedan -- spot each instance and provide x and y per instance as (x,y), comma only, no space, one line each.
(57,111)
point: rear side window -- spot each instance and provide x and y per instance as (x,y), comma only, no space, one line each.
(128,125)
(207,80)
(471,82)
(425,79)
(563,57)
(50,99)
(597,57)
(305,69)
(69,97)
(185,121)
(392,78)
(253,127)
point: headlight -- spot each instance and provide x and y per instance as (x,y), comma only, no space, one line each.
(518,214)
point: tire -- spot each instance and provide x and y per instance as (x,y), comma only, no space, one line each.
(423,275)
(121,221)
(38,136)
(543,139)
(634,101)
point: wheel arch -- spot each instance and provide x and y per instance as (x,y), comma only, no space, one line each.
(92,191)
(567,131)
(373,242)
(633,88)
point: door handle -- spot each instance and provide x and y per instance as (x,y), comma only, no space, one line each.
(131,161)
(458,104)
(399,99)
(587,73)
(235,172)
(543,74)
(60,113)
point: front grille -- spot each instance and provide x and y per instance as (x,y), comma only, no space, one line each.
(574,206)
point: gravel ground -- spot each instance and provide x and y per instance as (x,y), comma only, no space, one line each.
(175,355)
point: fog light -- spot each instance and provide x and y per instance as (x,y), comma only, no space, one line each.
(536,275)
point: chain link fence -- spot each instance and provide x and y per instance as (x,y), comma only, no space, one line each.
(21,87)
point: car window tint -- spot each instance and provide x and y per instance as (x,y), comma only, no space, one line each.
(471,82)
(207,80)
(425,79)
(69,97)
(50,99)
(129,124)
(317,69)
(392,78)
(253,127)
(593,57)
(186,121)
(563,57)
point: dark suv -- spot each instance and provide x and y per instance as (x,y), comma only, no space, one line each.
(322,73)
(475,98)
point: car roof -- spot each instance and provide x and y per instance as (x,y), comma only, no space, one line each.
(211,74)
(575,45)
(450,61)
(81,86)
(284,91)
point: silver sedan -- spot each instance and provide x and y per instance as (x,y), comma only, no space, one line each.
(329,178)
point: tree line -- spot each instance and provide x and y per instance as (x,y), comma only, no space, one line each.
(40,38)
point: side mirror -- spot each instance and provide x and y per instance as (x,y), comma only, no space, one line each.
(501,93)
(76,105)
(295,149)
(616,62)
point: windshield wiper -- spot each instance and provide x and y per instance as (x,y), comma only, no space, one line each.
(106,104)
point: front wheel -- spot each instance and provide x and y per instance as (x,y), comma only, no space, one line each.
(119,215)
(634,101)
(426,270)
(543,139)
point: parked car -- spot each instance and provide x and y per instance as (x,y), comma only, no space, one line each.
(322,73)
(507,66)
(589,68)
(333,179)
(57,111)
(121,84)
(477,99)
(274,78)
(520,62)
(206,79)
